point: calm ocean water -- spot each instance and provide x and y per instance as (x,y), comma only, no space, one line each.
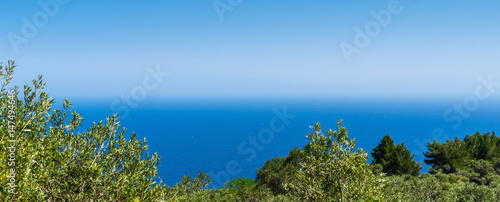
(232,138)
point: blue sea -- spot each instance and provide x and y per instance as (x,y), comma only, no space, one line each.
(229,138)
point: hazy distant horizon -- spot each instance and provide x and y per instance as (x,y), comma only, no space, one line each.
(260,48)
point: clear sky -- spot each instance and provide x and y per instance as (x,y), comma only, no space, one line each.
(97,49)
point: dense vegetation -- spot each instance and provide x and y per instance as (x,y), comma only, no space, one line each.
(51,161)
(394,160)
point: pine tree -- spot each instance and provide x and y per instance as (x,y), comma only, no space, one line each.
(395,160)
(402,162)
(382,154)
(454,155)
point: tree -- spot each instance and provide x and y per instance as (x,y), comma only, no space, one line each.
(279,171)
(454,155)
(447,157)
(54,161)
(382,154)
(394,160)
(402,162)
(187,185)
(485,147)
(331,169)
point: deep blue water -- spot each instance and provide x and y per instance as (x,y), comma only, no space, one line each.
(221,137)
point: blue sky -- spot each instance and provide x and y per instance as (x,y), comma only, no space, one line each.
(101,49)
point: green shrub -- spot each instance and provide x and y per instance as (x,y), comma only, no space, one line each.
(56,162)
(279,171)
(327,168)
(440,187)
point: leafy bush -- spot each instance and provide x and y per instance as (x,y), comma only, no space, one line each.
(440,187)
(55,162)
(327,168)
(240,183)
(279,171)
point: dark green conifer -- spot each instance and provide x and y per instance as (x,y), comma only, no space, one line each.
(395,160)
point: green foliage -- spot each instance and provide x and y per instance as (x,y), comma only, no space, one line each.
(440,187)
(333,169)
(252,194)
(246,189)
(403,163)
(481,172)
(394,160)
(475,158)
(188,185)
(55,162)
(485,147)
(383,153)
(240,183)
(239,189)
(452,156)
(327,168)
(279,171)
(448,156)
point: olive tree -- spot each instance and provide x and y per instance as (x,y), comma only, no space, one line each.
(333,169)
(328,168)
(54,160)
